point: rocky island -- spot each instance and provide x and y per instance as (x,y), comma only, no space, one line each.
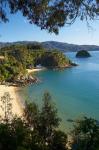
(83,54)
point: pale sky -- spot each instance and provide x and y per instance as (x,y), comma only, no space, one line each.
(18,29)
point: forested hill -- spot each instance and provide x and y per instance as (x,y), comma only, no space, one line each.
(55,45)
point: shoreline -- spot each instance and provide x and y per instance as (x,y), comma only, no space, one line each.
(14,91)
(35,70)
(17,100)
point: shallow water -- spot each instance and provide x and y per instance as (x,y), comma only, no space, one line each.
(75,90)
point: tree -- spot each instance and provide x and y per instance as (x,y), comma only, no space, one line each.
(15,135)
(6,106)
(55,59)
(44,121)
(25,133)
(31,113)
(43,13)
(21,134)
(86,134)
(59,140)
(49,120)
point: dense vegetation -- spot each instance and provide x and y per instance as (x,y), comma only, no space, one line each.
(39,129)
(36,131)
(86,134)
(83,53)
(18,58)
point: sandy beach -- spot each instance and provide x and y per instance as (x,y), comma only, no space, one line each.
(35,70)
(17,107)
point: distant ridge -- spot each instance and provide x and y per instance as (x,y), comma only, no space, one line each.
(50,45)
(69,47)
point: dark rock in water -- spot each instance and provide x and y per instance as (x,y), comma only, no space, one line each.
(74,64)
(70,120)
(83,54)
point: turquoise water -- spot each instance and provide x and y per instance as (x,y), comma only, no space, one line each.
(75,90)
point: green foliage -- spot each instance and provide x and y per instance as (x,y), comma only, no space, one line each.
(83,53)
(38,130)
(18,58)
(59,141)
(10,69)
(35,46)
(25,134)
(45,120)
(43,13)
(55,59)
(49,115)
(14,134)
(86,134)
(31,113)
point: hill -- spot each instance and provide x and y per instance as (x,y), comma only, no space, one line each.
(68,47)
(50,45)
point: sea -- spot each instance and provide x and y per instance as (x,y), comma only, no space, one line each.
(74,91)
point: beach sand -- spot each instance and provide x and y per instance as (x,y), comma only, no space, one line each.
(17,106)
(35,70)
(17,102)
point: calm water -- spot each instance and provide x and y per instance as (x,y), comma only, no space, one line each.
(75,91)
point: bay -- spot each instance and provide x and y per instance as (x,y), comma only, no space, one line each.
(75,91)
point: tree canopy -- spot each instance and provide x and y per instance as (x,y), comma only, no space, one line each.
(18,58)
(37,130)
(86,134)
(43,13)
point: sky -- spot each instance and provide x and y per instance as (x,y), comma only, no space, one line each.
(19,29)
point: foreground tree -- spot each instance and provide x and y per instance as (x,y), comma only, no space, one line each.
(6,106)
(14,135)
(59,141)
(44,121)
(86,134)
(37,131)
(31,113)
(48,116)
(43,13)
